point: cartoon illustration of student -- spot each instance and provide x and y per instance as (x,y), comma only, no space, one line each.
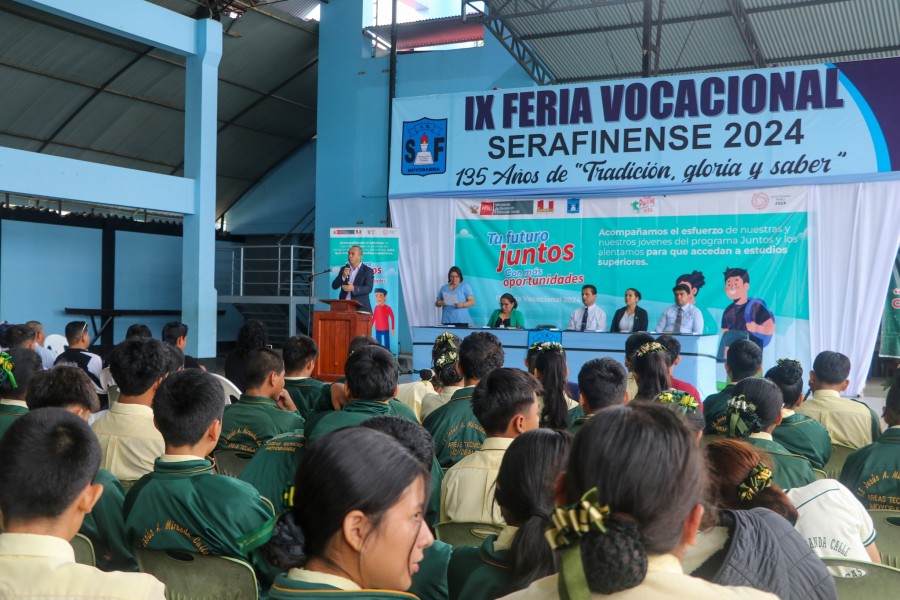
(384,323)
(745,313)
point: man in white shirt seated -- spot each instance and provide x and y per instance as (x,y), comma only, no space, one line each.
(682,317)
(589,317)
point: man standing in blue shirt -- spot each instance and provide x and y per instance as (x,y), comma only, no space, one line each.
(682,317)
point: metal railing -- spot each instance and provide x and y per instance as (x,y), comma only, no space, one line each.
(265,271)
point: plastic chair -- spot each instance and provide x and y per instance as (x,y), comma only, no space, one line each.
(232,393)
(820,474)
(727,339)
(231,462)
(887,525)
(189,576)
(465,534)
(84,550)
(839,456)
(56,343)
(863,580)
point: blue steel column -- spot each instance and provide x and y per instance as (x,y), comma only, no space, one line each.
(198,293)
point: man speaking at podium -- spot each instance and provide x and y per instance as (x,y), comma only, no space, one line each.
(355,279)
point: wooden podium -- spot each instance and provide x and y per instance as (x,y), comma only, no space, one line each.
(332,330)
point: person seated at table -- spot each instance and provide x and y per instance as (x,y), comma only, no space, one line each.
(507,315)
(589,317)
(454,299)
(630,317)
(681,317)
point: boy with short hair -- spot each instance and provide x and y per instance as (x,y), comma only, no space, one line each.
(372,373)
(454,427)
(849,422)
(128,438)
(264,410)
(299,354)
(601,383)
(48,461)
(744,360)
(76,355)
(21,336)
(69,388)
(183,505)
(176,333)
(505,403)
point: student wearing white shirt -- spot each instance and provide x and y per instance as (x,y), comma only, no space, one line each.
(682,317)
(589,317)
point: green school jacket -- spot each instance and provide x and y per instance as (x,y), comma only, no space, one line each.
(805,436)
(575,427)
(185,506)
(273,468)
(573,415)
(8,415)
(105,527)
(354,413)
(714,411)
(252,421)
(430,582)
(873,472)
(789,470)
(455,429)
(286,588)
(305,393)
(481,573)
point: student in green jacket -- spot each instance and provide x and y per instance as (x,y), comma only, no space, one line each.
(456,431)
(299,354)
(520,554)
(71,389)
(798,433)
(546,361)
(752,414)
(264,410)
(183,504)
(602,382)
(17,367)
(271,471)
(372,374)
(744,360)
(362,539)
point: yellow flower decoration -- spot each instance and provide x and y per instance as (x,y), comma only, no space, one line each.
(6,370)
(679,401)
(758,480)
(654,347)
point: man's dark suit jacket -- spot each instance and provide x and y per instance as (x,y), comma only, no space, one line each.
(362,285)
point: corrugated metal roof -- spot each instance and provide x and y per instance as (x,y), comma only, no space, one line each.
(431,32)
(73,91)
(582,40)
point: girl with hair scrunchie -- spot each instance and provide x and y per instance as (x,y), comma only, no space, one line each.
(617,535)
(447,377)
(651,371)
(519,554)
(684,404)
(547,362)
(17,367)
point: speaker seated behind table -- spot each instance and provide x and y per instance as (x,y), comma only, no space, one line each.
(454,299)
(589,317)
(507,316)
(355,279)
(630,317)
(681,317)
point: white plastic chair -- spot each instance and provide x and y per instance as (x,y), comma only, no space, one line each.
(232,392)
(56,343)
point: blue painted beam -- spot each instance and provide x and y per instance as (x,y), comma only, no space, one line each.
(198,296)
(133,19)
(33,174)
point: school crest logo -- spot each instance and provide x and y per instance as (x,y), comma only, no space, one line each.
(424,147)
(573,206)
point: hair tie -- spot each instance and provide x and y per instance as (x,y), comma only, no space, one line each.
(679,401)
(742,418)
(538,514)
(6,370)
(573,521)
(759,479)
(651,347)
(446,338)
(546,347)
(446,359)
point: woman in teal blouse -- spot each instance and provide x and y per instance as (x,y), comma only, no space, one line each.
(507,315)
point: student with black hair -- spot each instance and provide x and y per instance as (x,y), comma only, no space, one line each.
(372,373)
(864,469)
(48,464)
(299,353)
(505,403)
(634,535)
(200,511)
(744,359)
(138,330)
(128,437)
(454,428)
(365,538)
(681,317)
(21,336)
(632,343)
(601,383)
(752,413)
(17,367)
(175,359)
(520,554)
(798,433)
(71,389)
(251,336)
(673,346)
(650,365)
(447,377)
(546,361)
(176,333)
(264,410)
(849,422)
(76,355)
